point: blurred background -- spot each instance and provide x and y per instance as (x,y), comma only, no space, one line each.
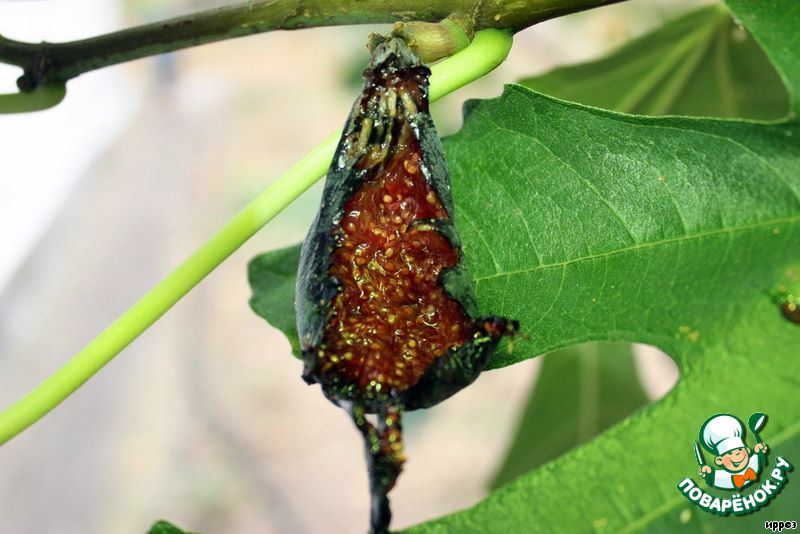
(204,420)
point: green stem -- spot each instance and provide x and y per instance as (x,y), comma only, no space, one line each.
(488,49)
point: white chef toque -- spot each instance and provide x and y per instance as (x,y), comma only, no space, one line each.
(722,433)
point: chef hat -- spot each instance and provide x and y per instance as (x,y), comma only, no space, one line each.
(722,433)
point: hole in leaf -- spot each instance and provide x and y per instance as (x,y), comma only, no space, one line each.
(580,392)
(657,372)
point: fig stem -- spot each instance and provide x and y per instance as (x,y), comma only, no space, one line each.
(487,51)
(383,449)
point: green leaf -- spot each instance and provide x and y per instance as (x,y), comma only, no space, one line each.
(701,64)
(685,517)
(774,24)
(272,278)
(164,527)
(589,225)
(580,392)
(667,231)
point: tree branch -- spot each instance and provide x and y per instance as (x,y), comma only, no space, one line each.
(487,51)
(58,62)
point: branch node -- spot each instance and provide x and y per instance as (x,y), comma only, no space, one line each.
(35,72)
(431,41)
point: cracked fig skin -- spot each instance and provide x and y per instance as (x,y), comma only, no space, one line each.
(386,310)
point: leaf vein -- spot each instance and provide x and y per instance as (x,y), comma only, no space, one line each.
(638,246)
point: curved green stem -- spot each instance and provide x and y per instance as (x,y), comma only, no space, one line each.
(488,49)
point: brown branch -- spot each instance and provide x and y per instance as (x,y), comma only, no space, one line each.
(59,62)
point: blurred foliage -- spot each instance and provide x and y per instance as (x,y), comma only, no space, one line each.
(702,64)
(580,392)
(164,527)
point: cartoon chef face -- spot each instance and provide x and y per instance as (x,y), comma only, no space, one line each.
(722,436)
(735,460)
